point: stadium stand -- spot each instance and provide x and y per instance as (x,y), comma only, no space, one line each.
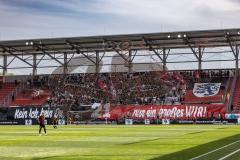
(130,79)
(223,77)
(140,88)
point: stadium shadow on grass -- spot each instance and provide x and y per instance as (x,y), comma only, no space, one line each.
(198,150)
(155,139)
(11,158)
(142,141)
(197,132)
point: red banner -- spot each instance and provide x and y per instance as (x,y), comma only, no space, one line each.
(171,112)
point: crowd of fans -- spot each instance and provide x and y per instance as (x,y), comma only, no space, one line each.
(124,88)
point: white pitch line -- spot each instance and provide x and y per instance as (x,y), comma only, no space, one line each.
(229,155)
(214,150)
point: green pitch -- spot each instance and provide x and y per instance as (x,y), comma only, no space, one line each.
(100,142)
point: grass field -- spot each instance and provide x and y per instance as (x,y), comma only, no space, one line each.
(100,142)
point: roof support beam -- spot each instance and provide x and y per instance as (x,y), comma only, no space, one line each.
(197,53)
(229,40)
(127,59)
(50,55)
(12,54)
(104,52)
(34,69)
(11,61)
(134,55)
(86,56)
(61,53)
(149,44)
(4,65)
(76,47)
(70,58)
(40,59)
(101,57)
(65,65)
(186,40)
(157,53)
(120,54)
(164,59)
(130,65)
(235,51)
(97,69)
(27,58)
(113,46)
(199,58)
(237,56)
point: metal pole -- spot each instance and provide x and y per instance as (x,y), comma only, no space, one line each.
(237,55)
(34,71)
(97,70)
(164,60)
(199,58)
(65,64)
(130,61)
(4,65)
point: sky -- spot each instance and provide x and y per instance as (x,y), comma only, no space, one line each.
(25,19)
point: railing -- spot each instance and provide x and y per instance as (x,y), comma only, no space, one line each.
(233,86)
(226,90)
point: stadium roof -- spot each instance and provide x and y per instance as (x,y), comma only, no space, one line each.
(169,49)
(151,41)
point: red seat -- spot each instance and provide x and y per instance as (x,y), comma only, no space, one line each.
(26,99)
(6,89)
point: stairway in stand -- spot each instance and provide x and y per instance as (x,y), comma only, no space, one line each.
(6,89)
(236,97)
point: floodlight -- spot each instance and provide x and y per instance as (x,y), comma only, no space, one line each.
(179,36)
(168,36)
(26,43)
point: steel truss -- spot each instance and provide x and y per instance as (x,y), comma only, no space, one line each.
(128,47)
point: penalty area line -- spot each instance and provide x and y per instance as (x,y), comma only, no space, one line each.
(214,150)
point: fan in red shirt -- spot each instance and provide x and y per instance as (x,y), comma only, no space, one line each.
(41,121)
